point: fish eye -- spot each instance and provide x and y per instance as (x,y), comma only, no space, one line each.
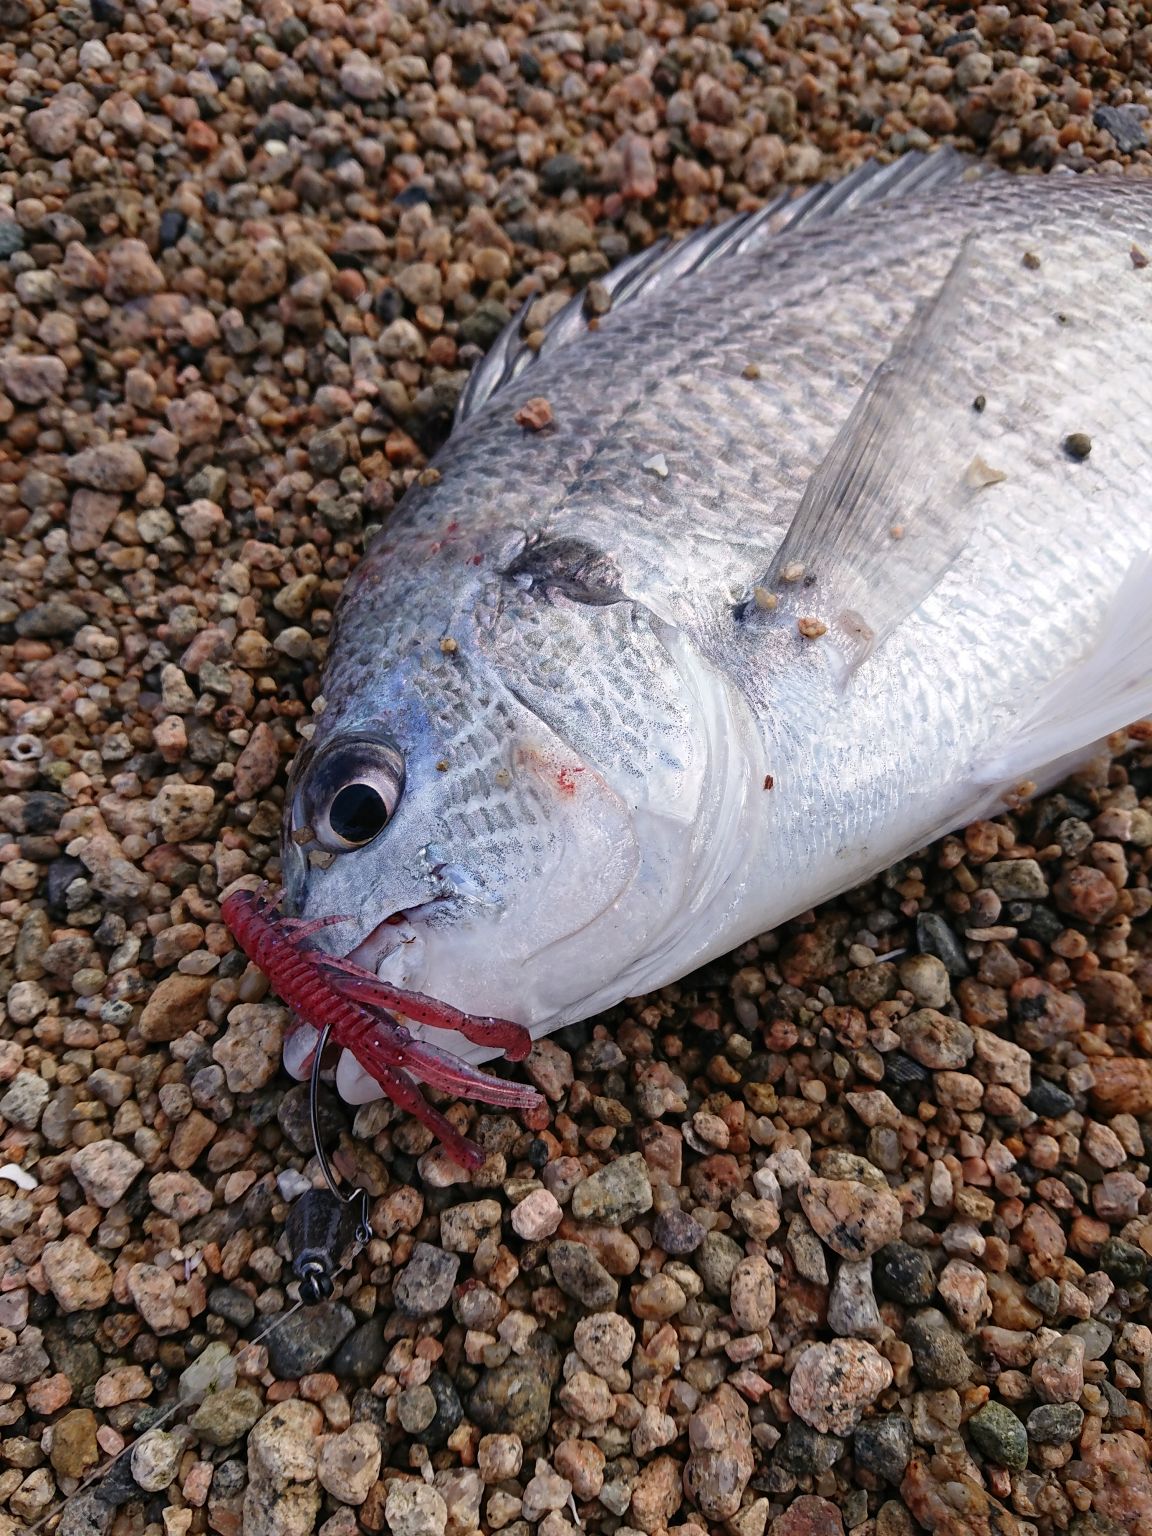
(351,793)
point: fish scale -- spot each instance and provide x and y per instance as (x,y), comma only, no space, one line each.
(591,760)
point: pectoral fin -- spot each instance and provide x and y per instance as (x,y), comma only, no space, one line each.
(895,500)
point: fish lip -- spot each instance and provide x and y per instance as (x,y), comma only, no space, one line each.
(382,941)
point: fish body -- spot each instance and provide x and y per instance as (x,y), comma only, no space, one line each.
(835,536)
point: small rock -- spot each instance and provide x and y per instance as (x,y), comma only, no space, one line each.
(424,1286)
(308,1339)
(936,1041)
(105,1171)
(852,1218)
(24,1102)
(1000,1436)
(250,1049)
(904,1274)
(752,1294)
(537,1216)
(132,274)
(926,977)
(615,1193)
(1058,1373)
(852,1309)
(414,1509)
(677,1233)
(883,1446)
(464,1227)
(226,1416)
(81,1281)
(721,1463)
(176,1006)
(153,1293)
(808,1515)
(833,1384)
(514,1399)
(350,1463)
(1055,1423)
(25,1361)
(183,812)
(111,467)
(1017,880)
(545,1491)
(156,1460)
(937,1350)
(580,1274)
(74,1447)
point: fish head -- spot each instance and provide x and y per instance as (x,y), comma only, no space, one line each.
(516,805)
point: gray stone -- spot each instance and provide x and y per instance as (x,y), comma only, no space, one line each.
(937,1350)
(809,1453)
(852,1309)
(615,1193)
(716,1261)
(883,1445)
(308,1339)
(424,1286)
(999,1434)
(904,1274)
(580,1274)
(935,937)
(1055,1423)
(1016,880)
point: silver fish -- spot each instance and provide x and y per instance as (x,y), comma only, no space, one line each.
(840,530)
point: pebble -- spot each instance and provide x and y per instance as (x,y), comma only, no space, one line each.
(537,1216)
(1055,1423)
(852,1308)
(580,1274)
(106,1170)
(904,1274)
(615,1193)
(226,1416)
(833,1384)
(752,1294)
(936,1041)
(308,1339)
(809,1515)
(1000,1436)
(74,1447)
(250,1049)
(350,1463)
(853,1219)
(112,467)
(883,1445)
(424,1286)
(937,1350)
(414,1509)
(80,1280)
(156,1459)
(720,1462)
(513,1398)
(678,1233)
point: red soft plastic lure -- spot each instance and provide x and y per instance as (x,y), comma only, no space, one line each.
(358,1009)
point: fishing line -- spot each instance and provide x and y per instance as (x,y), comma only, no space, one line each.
(169,1413)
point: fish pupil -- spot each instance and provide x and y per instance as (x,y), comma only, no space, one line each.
(358,813)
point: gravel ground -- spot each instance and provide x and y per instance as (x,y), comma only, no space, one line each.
(819,1240)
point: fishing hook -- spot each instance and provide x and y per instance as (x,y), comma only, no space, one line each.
(363,1225)
(318,1222)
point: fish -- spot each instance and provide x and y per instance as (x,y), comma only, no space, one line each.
(832,534)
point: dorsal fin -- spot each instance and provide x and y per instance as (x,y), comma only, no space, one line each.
(668,261)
